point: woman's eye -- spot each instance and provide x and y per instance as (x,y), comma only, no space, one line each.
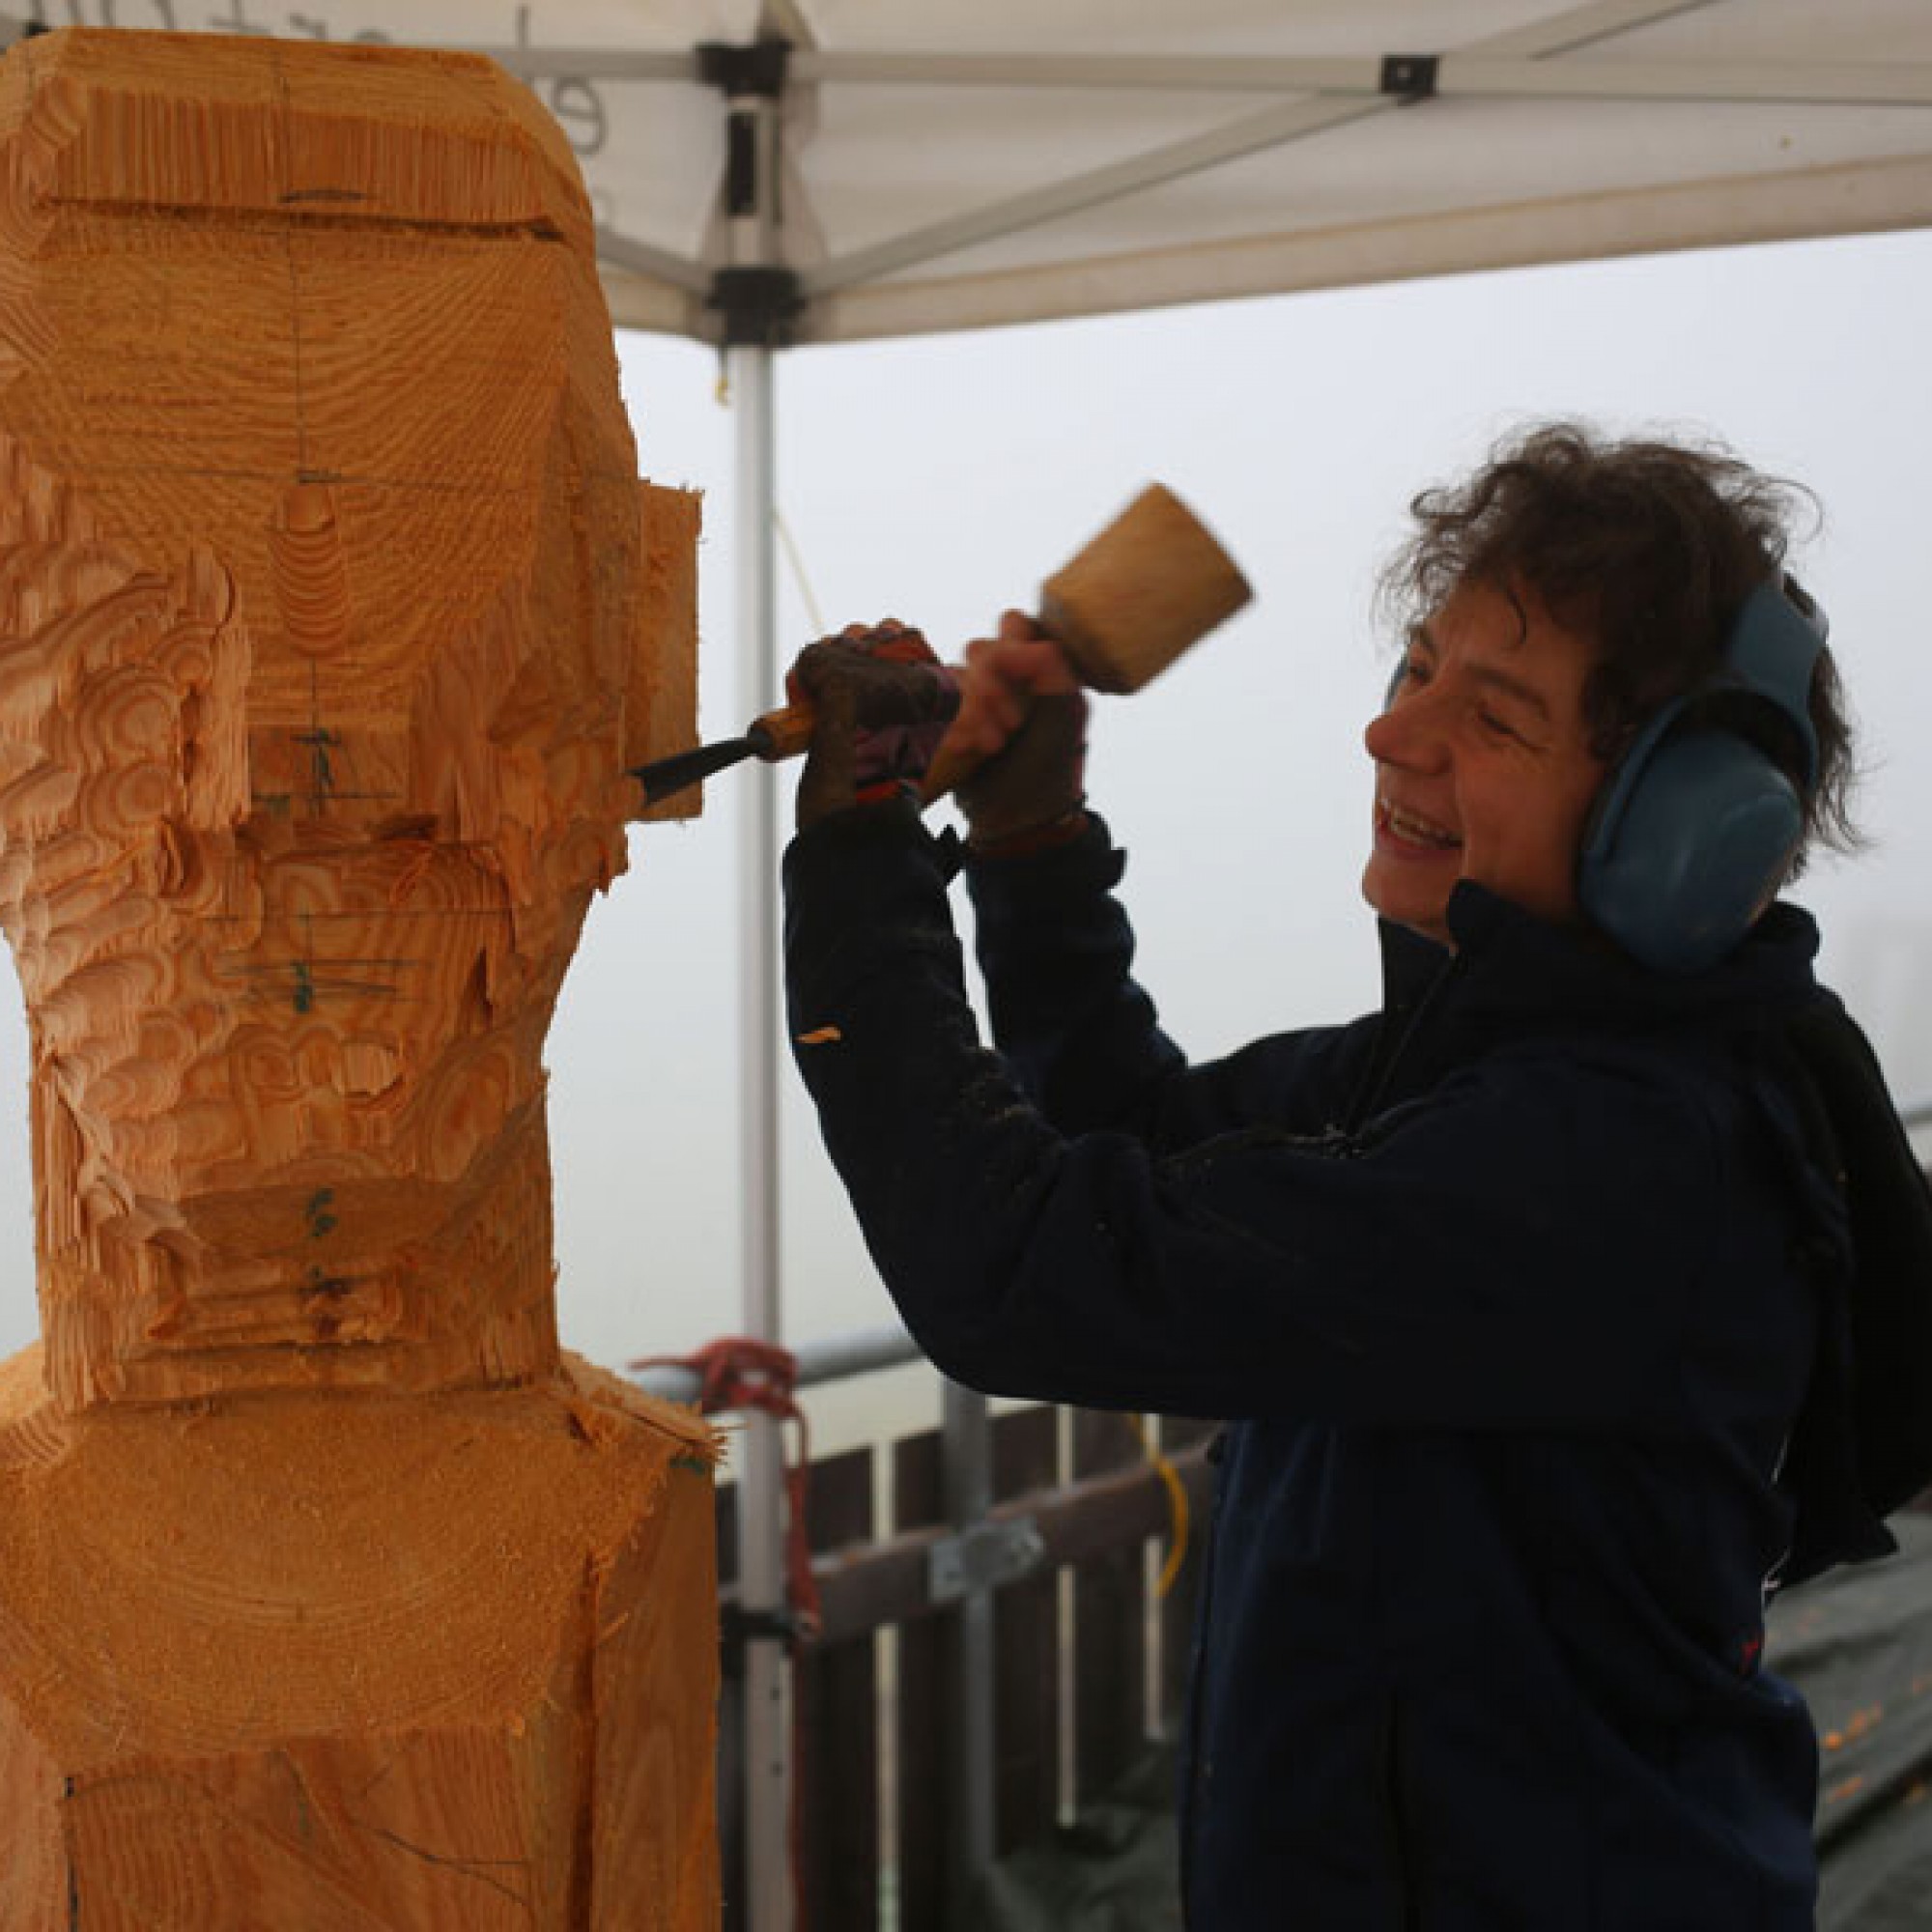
(1499,727)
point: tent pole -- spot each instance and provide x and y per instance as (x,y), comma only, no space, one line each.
(761,1582)
(750,372)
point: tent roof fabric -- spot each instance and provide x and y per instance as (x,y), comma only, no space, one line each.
(958,163)
(952,165)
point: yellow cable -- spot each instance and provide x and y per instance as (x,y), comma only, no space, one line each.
(1177,1506)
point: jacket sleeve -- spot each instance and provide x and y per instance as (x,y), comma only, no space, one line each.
(1431,1274)
(1082,1039)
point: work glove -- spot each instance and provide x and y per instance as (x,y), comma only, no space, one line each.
(1021,695)
(881,703)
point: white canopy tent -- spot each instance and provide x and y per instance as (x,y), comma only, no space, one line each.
(816,171)
(951,166)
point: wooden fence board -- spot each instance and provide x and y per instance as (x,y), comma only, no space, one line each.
(1108,1632)
(921,1726)
(834,1692)
(1095,1517)
(1026,1638)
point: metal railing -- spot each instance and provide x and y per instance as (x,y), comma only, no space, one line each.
(831,1358)
(988,1526)
(863,1351)
(963,1570)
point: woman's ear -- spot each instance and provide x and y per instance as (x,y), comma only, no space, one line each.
(661,691)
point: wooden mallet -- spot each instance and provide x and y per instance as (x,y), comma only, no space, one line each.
(1150,585)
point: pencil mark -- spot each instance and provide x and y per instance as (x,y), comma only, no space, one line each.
(306,982)
(469,1868)
(319,740)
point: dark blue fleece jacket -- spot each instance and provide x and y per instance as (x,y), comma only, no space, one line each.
(1509,1293)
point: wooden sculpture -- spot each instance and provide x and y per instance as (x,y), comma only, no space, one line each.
(333,1596)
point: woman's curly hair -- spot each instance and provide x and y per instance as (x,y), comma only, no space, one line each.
(1650,548)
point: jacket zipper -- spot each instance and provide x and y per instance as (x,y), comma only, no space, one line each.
(1190,1799)
(1408,1911)
(1402,1030)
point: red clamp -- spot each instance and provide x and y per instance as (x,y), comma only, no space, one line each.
(741,1372)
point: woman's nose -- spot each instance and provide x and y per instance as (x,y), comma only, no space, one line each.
(1407,733)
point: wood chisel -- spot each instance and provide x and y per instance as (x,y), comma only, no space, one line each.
(1150,585)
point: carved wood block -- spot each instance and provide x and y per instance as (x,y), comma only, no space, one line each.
(331,614)
(335,613)
(320,1662)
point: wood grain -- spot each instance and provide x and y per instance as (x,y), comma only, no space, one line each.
(332,612)
(335,613)
(314,1661)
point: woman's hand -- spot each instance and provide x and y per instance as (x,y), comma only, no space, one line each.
(881,703)
(1022,725)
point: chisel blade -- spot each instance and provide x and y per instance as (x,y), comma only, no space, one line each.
(663,776)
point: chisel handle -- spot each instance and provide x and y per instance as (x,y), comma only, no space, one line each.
(787,731)
(783,733)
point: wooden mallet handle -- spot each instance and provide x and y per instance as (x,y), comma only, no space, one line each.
(1152,583)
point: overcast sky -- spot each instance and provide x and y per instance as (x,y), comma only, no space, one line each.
(941,479)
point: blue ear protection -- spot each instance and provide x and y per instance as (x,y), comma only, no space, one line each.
(1694,828)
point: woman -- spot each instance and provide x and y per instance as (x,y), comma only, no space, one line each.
(1525,1297)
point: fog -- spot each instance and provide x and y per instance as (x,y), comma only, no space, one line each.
(940,480)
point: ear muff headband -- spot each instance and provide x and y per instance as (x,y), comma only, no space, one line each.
(1694,828)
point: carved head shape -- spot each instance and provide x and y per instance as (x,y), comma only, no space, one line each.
(325,643)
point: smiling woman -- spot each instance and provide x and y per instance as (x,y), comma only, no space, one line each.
(1526,1298)
(1646,550)
(1656,730)
(1484,763)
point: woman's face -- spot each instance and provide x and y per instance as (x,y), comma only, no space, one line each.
(1483,769)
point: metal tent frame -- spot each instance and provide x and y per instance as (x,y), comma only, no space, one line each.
(754,295)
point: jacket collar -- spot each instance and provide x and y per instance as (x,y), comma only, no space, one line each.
(1508,963)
